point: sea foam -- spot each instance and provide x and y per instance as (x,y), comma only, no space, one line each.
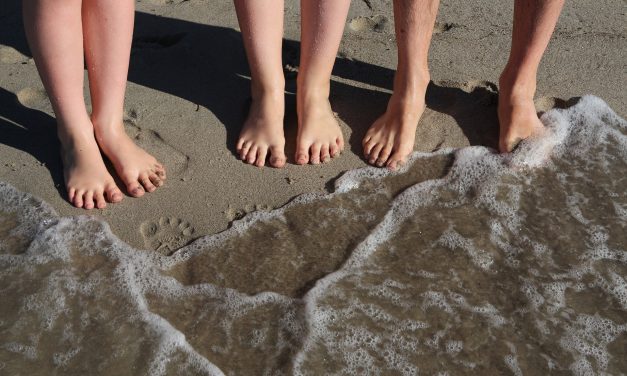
(480,269)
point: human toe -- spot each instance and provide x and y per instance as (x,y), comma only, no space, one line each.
(374,153)
(144,179)
(99,199)
(262,153)
(78,198)
(396,160)
(384,155)
(243,154)
(155,180)
(277,157)
(302,155)
(88,199)
(113,194)
(315,153)
(251,157)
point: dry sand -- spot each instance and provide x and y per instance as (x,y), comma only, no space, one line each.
(188,92)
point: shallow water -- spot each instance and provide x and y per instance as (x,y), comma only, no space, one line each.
(465,262)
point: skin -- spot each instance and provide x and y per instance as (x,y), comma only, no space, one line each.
(534,22)
(390,140)
(57,32)
(319,135)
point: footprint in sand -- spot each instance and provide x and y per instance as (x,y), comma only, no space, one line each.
(375,23)
(167,235)
(32,97)
(466,112)
(233,214)
(9,55)
(441,27)
(175,161)
(543,104)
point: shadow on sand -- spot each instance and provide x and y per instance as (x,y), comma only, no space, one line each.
(206,65)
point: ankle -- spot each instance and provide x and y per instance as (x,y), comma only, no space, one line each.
(268,90)
(268,105)
(516,84)
(110,135)
(408,99)
(105,125)
(75,134)
(312,88)
(411,81)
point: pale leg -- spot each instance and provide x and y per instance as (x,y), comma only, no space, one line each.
(534,22)
(261,23)
(390,139)
(319,134)
(108,32)
(54,32)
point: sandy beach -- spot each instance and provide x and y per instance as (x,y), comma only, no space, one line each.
(188,93)
(464,262)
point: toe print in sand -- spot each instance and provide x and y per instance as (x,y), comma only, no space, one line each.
(167,235)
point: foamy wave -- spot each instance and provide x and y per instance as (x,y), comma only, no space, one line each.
(466,271)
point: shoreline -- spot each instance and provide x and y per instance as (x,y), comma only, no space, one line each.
(187,93)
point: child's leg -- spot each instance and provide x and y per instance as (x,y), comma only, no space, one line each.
(108,32)
(391,138)
(319,135)
(55,34)
(534,22)
(262,29)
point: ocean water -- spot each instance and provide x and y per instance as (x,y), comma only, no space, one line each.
(465,262)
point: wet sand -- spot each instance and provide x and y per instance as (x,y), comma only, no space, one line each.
(466,262)
(188,94)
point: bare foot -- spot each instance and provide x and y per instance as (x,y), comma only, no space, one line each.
(319,134)
(139,170)
(89,184)
(262,135)
(390,139)
(517,119)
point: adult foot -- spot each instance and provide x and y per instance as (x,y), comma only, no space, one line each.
(517,114)
(262,135)
(319,134)
(139,170)
(390,139)
(89,184)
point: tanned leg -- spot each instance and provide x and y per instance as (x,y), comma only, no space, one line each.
(261,23)
(108,32)
(54,32)
(319,135)
(534,22)
(390,139)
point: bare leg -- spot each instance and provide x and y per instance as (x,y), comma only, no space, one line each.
(390,139)
(55,35)
(534,22)
(262,29)
(108,31)
(319,134)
